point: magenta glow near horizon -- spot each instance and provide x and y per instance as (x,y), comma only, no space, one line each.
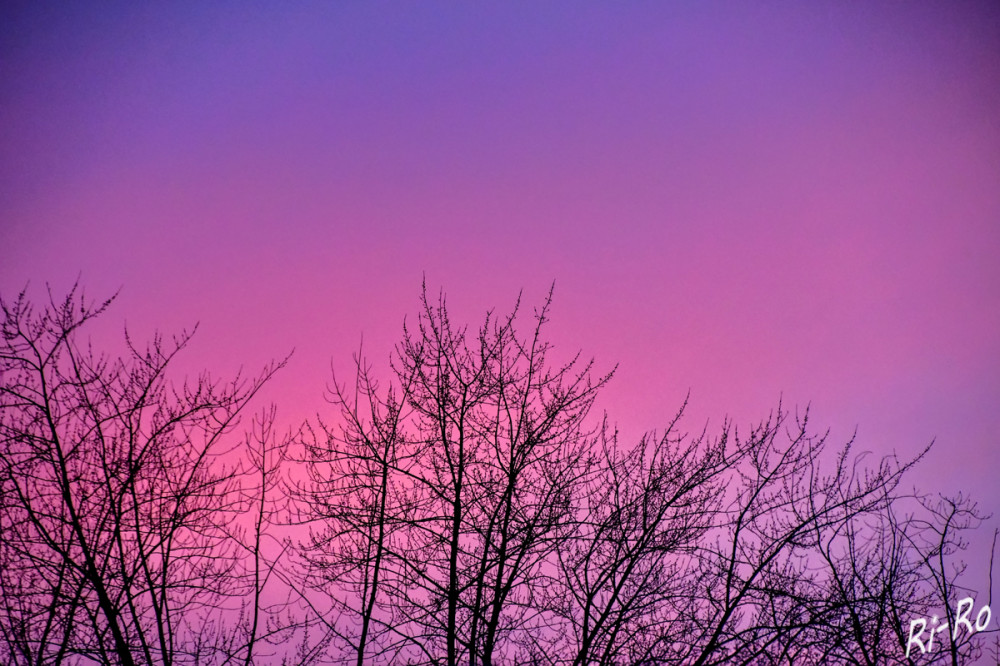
(752,203)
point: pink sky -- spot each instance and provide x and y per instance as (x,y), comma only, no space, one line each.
(743,201)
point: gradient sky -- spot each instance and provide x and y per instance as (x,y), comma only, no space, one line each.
(742,200)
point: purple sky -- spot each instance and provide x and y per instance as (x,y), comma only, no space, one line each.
(744,201)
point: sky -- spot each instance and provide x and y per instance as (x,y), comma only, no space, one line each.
(744,202)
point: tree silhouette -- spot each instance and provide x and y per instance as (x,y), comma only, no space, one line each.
(465,512)
(442,500)
(120,500)
(467,508)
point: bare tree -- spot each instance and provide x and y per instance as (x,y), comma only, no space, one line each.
(467,513)
(263,620)
(625,571)
(469,509)
(764,599)
(710,551)
(118,495)
(933,533)
(348,492)
(442,499)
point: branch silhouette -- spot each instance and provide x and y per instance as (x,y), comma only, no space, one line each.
(467,504)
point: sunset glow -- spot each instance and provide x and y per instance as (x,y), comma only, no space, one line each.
(747,203)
